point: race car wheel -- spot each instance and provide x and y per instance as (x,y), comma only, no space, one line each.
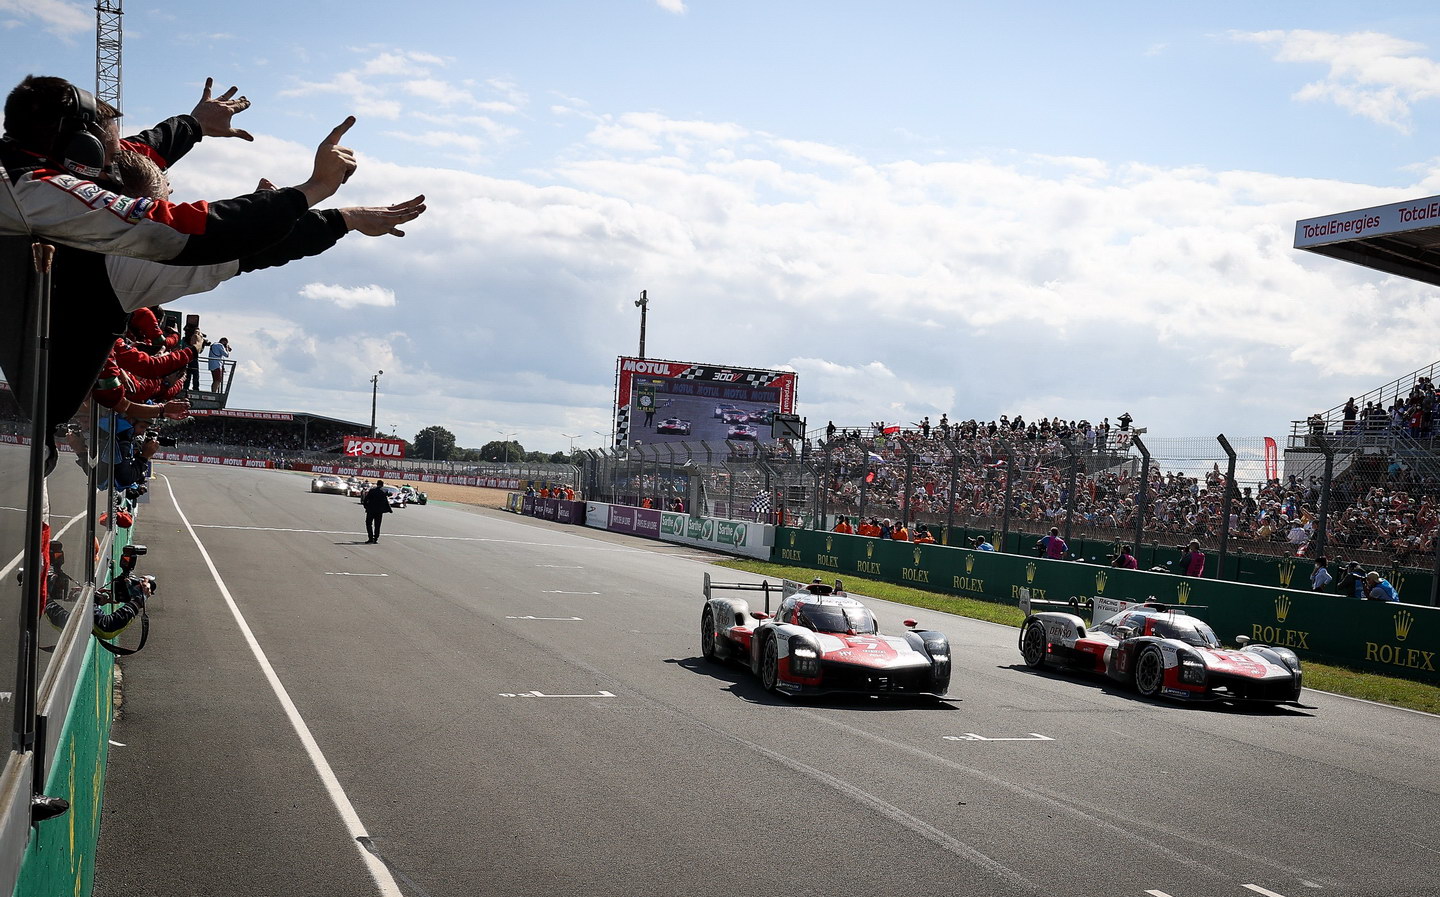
(1149,672)
(1033,645)
(707,636)
(770,665)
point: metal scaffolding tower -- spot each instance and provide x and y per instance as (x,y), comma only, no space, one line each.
(108,36)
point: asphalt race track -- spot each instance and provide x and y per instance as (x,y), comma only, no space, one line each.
(512,707)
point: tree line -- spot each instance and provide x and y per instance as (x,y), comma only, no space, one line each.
(437,443)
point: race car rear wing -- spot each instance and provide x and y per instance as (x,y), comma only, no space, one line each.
(1100,608)
(785,587)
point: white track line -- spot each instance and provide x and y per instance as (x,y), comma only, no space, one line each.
(1262,891)
(341,532)
(53,536)
(378,871)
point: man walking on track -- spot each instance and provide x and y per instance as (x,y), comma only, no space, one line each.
(377,504)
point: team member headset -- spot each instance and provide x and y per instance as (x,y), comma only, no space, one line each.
(76,145)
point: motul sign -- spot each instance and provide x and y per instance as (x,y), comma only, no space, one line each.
(374,447)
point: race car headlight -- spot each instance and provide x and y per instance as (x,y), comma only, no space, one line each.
(804,659)
(937,648)
(1289,657)
(1192,669)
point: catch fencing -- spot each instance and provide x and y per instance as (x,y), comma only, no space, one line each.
(1373,501)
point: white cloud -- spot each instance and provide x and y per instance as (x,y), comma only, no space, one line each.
(350,297)
(675,6)
(819,153)
(1372,75)
(896,289)
(58,17)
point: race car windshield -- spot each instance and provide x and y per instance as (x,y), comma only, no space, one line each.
(1188,630)
(830,618)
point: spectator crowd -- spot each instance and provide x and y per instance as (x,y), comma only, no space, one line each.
(1382,510)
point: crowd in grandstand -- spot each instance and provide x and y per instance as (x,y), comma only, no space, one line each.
(1387,510)
(275,437)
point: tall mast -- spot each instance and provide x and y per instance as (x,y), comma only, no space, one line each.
(108,36)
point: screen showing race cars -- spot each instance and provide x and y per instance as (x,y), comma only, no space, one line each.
(677,401)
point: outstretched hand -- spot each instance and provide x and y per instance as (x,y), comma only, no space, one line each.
(376,221)
(214,113)
(333,165)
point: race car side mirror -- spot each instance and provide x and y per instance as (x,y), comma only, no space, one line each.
(760,615)
(1242,640)
(910,624)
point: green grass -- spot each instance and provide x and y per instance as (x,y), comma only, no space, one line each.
(1339,680)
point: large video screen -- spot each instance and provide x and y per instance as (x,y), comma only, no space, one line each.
(678,401)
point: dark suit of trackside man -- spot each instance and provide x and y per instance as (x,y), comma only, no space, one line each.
(377,504)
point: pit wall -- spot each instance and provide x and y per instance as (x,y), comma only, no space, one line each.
(60,856)
(1393,639)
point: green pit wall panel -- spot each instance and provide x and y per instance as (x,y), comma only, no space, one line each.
(1394,639)
(60,859)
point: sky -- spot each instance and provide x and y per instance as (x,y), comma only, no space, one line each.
(1051,209)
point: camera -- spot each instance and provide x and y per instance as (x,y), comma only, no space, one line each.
(157,435)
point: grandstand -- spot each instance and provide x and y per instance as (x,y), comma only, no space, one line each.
(279,432)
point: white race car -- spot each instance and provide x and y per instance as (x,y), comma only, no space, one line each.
(820,640)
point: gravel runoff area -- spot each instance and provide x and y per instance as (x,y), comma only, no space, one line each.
(467,495)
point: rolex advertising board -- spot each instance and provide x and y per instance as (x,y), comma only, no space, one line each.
(1397,639)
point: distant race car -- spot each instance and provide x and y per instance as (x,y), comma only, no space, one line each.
(1161,650)
(356,488)
(413,495)
(760,416)
(674,425)
(723,407)
(743,431)
(325,483)
(734,416)
(820,640)
(397,497)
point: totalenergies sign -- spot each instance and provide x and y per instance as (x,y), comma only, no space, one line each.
(374,447)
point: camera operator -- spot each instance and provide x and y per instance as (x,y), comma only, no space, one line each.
(116,606)
(219,351)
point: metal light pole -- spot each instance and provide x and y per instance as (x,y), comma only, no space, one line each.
(643,304)
(507,443)
(374,390)
(572,440)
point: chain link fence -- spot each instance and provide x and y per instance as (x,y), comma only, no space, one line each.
(1371,499)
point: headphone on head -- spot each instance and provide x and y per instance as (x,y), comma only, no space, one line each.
(80,151)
